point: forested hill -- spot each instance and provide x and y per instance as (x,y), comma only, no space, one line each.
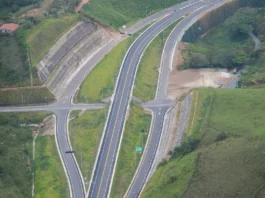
(16,3)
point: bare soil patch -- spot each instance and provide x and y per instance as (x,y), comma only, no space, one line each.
(181,81)
(80,5)
(49,126)
(37,11)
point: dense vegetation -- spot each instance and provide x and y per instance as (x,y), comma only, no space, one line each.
(15,153)
(223,155)
(229,46)
(117,13)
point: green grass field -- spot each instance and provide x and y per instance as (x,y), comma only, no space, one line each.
(135,135)
(42,36)
(147,74)
(85,135)
(16,153)
(230,162)
(25,96)
(13,71)
(117,13)
(172,179)
(99,84)
(50,179)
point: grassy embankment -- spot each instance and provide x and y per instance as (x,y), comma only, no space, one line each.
(147,74)
(117,13)
(25,96)
(135,135)
(223,154)
(42,36)
(16,154)
(85,135)
(100,82)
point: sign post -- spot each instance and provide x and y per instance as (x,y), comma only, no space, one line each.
(138,149)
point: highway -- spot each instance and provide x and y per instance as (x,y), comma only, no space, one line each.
(160,105)
(100,185)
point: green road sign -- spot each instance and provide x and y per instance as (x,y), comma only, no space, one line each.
(139,149)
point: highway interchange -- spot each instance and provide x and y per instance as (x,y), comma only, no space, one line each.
(103,171)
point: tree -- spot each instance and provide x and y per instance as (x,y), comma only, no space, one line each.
(239,57)
(198,60)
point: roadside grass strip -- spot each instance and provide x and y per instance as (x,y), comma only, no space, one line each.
(228,139)
(25,96)
(135,135)
(148,71)
(50,178)
(100,82)
(44,35)
(86,129)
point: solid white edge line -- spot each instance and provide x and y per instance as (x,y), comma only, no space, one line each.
(70,145)
(166,114)
(59,152)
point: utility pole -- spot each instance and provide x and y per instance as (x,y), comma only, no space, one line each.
(143,139)
(163,36)
(22,99)
(102,91)
(74,143)
(81,159)
(145,11)
(135,159)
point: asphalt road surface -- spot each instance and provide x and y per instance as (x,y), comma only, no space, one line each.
(160,105)
(101,180)
(105,164)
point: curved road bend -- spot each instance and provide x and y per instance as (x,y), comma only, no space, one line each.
(61,109)
(105,164)
(76,184)
(159,106)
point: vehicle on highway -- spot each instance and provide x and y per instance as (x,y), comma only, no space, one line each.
(69,151)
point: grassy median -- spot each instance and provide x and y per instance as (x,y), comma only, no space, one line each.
(85,134)
(100,82)
(135,135)
(50,178)
(147,74)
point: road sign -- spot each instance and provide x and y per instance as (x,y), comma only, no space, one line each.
(139,149)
